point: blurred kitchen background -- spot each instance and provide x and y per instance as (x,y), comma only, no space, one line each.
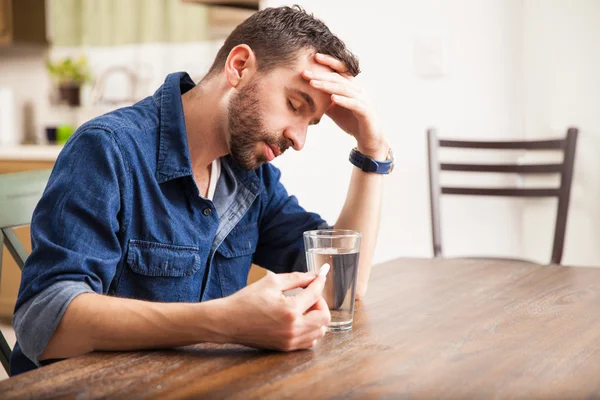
(473,69)
(66,61)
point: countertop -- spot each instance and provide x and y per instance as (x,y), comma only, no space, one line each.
(30,152)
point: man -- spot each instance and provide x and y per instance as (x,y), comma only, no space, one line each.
(155,212)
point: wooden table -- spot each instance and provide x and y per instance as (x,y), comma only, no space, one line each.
(427,329)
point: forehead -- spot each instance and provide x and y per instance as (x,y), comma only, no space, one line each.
(306,60)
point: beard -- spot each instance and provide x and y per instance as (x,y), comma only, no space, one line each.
(246,129)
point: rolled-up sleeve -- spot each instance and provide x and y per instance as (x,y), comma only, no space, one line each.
(283,221)
(37,319)
(75,247)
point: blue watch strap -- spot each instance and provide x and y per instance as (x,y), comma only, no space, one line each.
(368,164)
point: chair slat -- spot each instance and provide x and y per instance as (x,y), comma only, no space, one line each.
(4,353)
(14,246)
(553,144)
(566,145)
(508,192)
(19,194)
(504,168)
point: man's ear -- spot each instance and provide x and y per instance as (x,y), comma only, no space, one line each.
(240,65)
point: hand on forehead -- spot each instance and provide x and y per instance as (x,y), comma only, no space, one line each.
(312,64)
(307,62)
(319,63)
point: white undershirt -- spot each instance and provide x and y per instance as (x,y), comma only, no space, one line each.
(215,173)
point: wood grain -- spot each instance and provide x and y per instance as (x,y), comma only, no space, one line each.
(10,166)
(426,329)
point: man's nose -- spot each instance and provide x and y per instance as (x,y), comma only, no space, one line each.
(296,136)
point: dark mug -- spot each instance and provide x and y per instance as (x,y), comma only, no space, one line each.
(51,134)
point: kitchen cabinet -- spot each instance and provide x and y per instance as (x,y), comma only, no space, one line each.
(23,22)
(5,21)
(224,16)
(223,20)
(247,4)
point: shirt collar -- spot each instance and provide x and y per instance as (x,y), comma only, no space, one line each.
(173,152)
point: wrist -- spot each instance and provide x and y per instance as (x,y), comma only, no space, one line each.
(378,151)
(211,324)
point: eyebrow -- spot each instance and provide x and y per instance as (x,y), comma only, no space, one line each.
(309,100)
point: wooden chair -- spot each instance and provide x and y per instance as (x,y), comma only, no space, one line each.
(565,169)
(19,194)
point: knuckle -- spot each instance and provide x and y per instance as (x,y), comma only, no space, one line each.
(289,334)
(289,315)
(272,278)
(322,331)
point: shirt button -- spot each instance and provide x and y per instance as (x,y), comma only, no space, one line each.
(207,211)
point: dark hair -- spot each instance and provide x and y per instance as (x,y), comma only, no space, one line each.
(276,35)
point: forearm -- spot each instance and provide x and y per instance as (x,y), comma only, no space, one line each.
(352,111)
(96,322)
(361,212)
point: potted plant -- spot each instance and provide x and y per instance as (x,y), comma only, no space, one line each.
(69,75)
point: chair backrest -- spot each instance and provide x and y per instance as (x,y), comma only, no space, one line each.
(19,194)
(566,145)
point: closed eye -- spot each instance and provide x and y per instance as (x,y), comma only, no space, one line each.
(294,109)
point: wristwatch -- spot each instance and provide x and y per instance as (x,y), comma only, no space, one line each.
(368,164)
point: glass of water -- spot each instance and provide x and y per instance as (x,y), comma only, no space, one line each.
(340,249)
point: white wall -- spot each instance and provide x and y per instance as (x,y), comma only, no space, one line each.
(512,68)
(561,80)
(476,97)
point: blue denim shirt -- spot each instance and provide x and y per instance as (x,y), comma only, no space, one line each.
(122,216)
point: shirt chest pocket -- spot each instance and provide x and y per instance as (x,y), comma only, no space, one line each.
(233,257)
(160,272)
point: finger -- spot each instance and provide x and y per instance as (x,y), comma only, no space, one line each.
(318,315)
(328,76)
(351,104)
(321,304)
(333,77)
(331,62)
(294,280)
(342,89)
(311,322)
(309,339)
(311,295)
